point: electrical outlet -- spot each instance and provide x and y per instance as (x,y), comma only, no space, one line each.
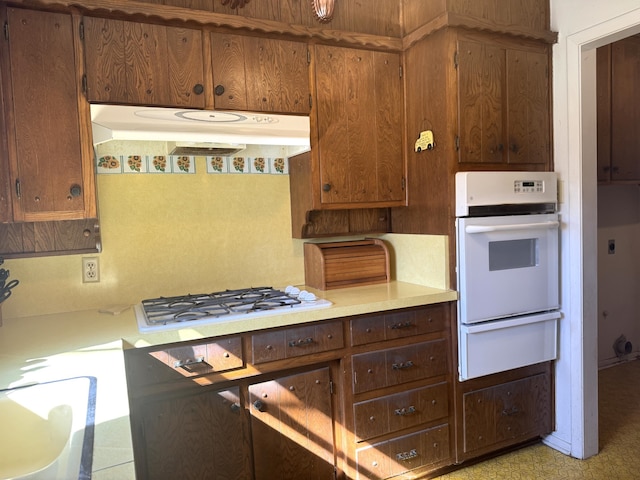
(90,269)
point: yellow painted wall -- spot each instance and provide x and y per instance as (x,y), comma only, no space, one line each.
(175,234)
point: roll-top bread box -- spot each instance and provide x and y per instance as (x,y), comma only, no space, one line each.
(346,264)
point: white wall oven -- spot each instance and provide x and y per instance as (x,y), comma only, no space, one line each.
(507,233)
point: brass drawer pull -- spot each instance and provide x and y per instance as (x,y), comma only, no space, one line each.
(404,456)
(402,365)
(301,342)
(397,326)
(402,412)
(511,411)
(193,366)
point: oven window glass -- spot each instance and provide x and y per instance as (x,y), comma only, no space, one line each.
(510,254)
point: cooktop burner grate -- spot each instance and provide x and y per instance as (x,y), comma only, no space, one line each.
(231,304)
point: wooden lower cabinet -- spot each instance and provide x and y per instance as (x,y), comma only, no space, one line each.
(368,397)
(506,412)
(199,436)
(292,427)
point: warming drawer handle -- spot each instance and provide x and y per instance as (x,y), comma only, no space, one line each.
(506,228)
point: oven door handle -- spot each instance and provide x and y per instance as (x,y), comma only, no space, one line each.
(511,227)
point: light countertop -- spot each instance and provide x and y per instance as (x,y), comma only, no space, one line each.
(65,345)
(345,302)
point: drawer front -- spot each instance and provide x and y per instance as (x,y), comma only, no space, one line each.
(296,342)
(416,322)
(398,365)
(402,410)
(367,330)
(402,454)
(511,412)
(398,325)
(191,360)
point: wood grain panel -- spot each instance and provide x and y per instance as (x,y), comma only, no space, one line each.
(625,115)
(481,79)
(292,429)
(146,74)
(228,71)
(332,122)
(104,60)
(49,112)
(528,118)
(184,427)
(185,66)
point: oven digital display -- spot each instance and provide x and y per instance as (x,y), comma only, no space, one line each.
(528,186)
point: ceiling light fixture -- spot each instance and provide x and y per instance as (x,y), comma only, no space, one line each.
(323,10)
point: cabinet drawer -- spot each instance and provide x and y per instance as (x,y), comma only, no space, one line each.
(295,342)
(398,325)
(402,410)
(394,366)
(510,412)
(148,367)
(393,457)
(190,360)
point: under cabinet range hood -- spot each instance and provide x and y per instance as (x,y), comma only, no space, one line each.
(197,132)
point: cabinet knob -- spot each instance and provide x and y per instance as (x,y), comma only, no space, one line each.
(259,405)
(75,190)
(235,407)
(86,233)
(198,88)
(326,187)
(219,90)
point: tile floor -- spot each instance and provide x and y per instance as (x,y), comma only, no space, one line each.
(619,433)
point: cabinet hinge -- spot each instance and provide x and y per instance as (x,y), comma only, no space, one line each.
(18,189)
(308,57)
(6,30)
(335,473)
(81,30)
(331,387)
(457,141)
(400,68)
(404,183)
(310,101)
(455,59)
(84,83)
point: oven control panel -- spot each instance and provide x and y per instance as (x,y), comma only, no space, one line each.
(528,186)
(490,188)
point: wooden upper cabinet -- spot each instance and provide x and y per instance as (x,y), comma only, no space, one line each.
(358,128)
(47,119)
(504,104)
(618,77)
(260,74)
(143,64)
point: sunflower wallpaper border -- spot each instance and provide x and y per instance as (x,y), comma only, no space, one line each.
(160,164)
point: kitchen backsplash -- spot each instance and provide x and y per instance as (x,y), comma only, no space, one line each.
(151,157)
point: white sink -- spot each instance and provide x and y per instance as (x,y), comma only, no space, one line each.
(47,430)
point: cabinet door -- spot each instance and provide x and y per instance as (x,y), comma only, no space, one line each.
(625,115)
(260,74)
(143,64)
(50,156)
(481,73)
(359,119)
(528,115)
(196,437)
(292,427)
(504,109)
